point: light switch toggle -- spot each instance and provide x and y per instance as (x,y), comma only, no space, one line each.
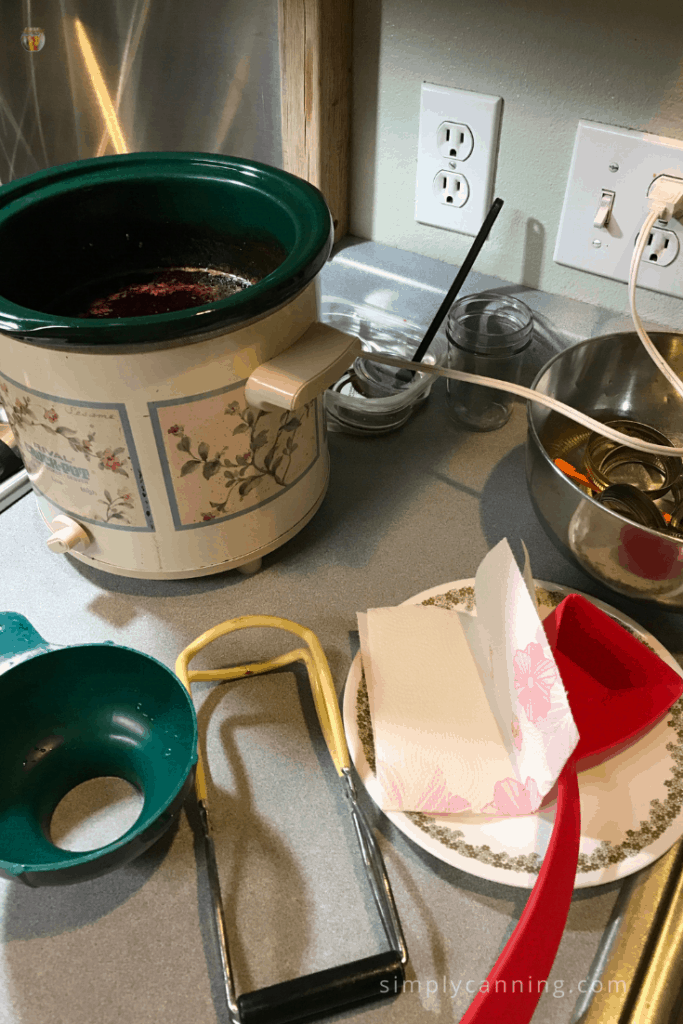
(604,209)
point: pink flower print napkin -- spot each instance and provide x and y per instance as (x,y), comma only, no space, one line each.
(468,713)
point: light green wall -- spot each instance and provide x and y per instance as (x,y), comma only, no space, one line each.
(618,62)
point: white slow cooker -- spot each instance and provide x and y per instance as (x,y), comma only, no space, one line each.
(166,442)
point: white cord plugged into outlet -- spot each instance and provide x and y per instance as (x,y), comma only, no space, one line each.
(665,199)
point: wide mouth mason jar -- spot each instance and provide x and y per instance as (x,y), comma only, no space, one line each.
(488,335)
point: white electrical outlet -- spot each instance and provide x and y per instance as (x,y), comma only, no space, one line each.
(662,247)
(455,141)
(451,189)
(625,163)
(456,160)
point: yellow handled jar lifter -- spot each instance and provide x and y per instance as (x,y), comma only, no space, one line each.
(337,988)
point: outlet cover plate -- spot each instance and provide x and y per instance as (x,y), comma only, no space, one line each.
(481,114)
(638,158)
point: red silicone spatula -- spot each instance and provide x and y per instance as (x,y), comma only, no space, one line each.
(617,690)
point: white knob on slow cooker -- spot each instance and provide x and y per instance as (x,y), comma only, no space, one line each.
(67,533)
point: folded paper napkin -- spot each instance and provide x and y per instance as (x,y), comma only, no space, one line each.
(468,713)
(480,714)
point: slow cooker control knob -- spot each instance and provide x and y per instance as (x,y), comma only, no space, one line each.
(67,533)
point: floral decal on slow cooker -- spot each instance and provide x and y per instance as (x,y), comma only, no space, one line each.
(225,458)
(73,453)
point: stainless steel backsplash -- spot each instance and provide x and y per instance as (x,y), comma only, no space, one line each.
(137,75)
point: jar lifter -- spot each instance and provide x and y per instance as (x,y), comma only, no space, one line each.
(337,988)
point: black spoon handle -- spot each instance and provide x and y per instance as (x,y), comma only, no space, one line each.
(484,231)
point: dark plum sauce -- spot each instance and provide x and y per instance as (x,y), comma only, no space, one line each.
(164,291)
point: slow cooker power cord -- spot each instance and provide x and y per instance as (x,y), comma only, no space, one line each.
(665,199)
(528,393)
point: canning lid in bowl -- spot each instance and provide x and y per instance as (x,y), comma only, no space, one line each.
(105,251)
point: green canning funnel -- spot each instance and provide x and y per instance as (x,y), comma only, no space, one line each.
(75,713)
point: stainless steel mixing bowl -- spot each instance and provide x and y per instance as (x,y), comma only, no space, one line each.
(608,378)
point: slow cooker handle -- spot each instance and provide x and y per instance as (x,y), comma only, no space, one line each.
(299,374)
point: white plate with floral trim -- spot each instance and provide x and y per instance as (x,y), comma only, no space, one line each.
(631,805)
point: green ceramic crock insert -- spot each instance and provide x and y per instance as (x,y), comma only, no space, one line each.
(65,227)
(75,713)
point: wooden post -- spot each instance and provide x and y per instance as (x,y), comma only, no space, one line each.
(315,75)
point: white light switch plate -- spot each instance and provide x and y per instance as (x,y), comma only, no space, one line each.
(480,115)
(624,162)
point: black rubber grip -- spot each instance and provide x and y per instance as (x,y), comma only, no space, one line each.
(327,992)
